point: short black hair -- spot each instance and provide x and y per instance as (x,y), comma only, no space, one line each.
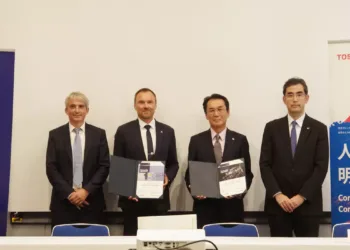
(213,97)
(295,81)
(144,90)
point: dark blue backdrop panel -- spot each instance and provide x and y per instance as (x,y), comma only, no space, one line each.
(7,64)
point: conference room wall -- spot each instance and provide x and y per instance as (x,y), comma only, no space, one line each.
(183,50)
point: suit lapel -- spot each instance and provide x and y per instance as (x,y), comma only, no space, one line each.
(88,141)
(138,139)
(229,146)
(285,136)
(159,139)
(67,142)
(304,134)
(209,146)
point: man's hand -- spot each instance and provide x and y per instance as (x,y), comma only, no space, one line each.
(83,204)
(229,197)
(74,198)
(238,196)
(284,202)
(78,197)
(133,198)
(166,181)
(297,200)
(83,194)
(201,197)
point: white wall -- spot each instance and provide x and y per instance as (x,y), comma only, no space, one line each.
(183,50)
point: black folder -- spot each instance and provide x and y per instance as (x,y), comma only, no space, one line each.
(205,178)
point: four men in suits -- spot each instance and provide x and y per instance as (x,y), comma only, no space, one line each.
(77,165)
(293,163)
(218,144)
(146,139)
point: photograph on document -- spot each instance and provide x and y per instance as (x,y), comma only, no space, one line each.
(150,179)
(232,179)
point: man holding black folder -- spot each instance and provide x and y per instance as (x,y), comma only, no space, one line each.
(146,139)
(216,145)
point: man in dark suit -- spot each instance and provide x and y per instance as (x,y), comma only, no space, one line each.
(77,165)
(146,139)
(293,164)
(218,144)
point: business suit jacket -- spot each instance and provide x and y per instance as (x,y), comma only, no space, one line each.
(59,166)
(236,146)
(128,144)
(303,174)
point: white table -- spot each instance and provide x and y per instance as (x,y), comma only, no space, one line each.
(126,243)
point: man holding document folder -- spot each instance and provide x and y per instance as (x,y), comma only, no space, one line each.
(146,139)
(219,145)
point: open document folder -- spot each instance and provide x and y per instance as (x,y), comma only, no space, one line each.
(213,181)
(141,179)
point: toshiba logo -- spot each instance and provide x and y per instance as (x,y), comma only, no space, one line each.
(343,56)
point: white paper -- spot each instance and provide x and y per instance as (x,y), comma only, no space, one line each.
(150,179)
(232,179)
(232,187)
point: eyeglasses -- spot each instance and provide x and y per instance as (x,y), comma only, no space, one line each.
(219,110)
(297,96)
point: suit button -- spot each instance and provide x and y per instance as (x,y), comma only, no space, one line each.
(293,169)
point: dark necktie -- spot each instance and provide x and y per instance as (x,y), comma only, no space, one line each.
(293,137)
(149,142)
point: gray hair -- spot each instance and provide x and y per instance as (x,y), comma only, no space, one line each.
(78,95)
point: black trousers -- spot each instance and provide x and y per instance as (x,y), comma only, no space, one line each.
(285,224)
(132,210)
(211,211)
(72,214)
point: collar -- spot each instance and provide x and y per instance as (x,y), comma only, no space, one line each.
(299,121)
(222,134)
(143,124)
(71,127)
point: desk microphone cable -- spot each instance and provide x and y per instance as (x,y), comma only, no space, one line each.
(187,244)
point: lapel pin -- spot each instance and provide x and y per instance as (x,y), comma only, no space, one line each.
(233,139)
(161,131)
(308,128)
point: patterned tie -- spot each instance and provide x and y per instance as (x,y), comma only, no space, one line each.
(77,160)
(149,142)
(293,137)
(217,149)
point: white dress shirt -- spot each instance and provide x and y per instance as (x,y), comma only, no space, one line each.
(82,137)
(222,135)
(299,125)
(152,130)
